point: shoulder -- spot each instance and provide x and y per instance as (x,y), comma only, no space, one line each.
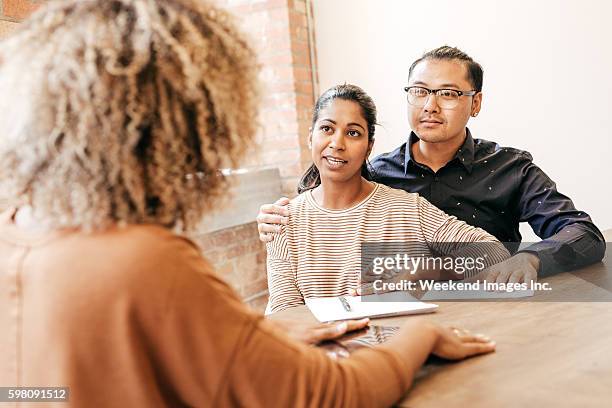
(143,242)
(144,267)
(299,201)
(485,150)
(393,158)
(388,197)
(300,207)
(138,255)
(408,205)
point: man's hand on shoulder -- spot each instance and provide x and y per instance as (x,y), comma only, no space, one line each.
(522,267)
(271,217)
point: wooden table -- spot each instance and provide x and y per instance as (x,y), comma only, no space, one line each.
(549,353)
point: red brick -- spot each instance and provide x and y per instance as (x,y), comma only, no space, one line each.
(204,241)
(269,5)
(302,73)
(304,88)
(279,14)
(250,270)
(278,114)
(213,256)
(245,230)
(304,100)
(257,247)
(299,6)
(6,27)
(300,46)
(301,59)
(253,288)
(231,253)
(297,20)
(286,58)
(239,9)
(306,156)
(19,9)
(288,142)
(278,32)
(223,238)
(281,157)
(279,43)
(259,304)
(291,170)
(224,269)
(289,186)
(305,114)
(281,39)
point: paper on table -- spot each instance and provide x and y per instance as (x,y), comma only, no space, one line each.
(331,309)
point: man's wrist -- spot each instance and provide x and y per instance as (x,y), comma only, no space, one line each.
(531,258)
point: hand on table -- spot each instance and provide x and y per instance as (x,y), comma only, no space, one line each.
(271,217)
(314,333)
(520,268)
(457,344)
(418,338)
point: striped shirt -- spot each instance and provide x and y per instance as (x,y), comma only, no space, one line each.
(318,253)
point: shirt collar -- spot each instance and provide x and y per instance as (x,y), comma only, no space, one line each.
(465,154)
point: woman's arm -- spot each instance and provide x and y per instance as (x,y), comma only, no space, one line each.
(211,350)
(448,236)
(373,377)
(282,285)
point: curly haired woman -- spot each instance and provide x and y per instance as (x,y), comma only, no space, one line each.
(115,116)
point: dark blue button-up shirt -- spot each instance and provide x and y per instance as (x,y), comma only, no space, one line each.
(496,188)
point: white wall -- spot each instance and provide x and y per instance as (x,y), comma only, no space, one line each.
(547,84)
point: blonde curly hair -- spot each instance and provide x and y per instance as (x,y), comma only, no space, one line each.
(122,111)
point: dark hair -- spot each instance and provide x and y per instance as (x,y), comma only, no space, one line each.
(347,92)
(452,53)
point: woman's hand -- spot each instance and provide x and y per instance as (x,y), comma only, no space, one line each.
(457,344)
(314,333)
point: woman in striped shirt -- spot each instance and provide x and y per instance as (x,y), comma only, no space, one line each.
(318,253)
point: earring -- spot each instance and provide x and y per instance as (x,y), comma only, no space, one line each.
(475,114)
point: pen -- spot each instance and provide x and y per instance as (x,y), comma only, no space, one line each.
(345,303)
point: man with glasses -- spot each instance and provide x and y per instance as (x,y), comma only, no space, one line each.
(488,186)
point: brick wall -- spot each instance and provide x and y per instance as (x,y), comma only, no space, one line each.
(13,11)
(240,258)
(279,30)
(280,34)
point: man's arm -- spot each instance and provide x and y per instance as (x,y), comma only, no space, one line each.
(570,239)
(448,235)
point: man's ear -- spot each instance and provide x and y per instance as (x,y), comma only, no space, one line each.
(476,104)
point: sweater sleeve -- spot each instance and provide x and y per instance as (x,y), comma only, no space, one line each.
(305,377)
(282,280)
(214,351)
(447,235)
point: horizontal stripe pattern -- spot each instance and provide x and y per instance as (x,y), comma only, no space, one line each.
(318,254)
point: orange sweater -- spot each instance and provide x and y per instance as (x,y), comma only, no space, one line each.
(135,317)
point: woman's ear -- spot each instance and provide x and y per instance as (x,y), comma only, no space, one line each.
(310,138)
(370,147)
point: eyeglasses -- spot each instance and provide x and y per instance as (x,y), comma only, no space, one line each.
(446,98)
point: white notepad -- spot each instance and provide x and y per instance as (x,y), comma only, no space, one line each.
(331,308)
